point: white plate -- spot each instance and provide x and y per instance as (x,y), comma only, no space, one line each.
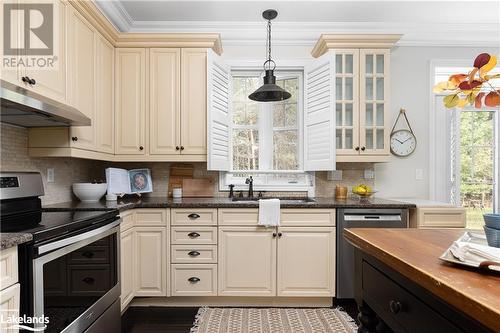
(476,238)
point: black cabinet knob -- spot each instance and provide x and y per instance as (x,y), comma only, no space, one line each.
(25,79)
(363,148)
(182,147)
(395,306)
(88,280)
(32,82)
(74,138)
(141,148)
(194,216)
(274,234)
(194,253)
(356,149)
(194,235)
(280,234)
(177,148)
(194,279)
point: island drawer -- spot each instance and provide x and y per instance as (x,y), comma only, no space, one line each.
(398,307)
(201,216)
(194,254)
(194,235)
(194,280)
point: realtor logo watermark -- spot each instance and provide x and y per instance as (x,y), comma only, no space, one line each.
(30,35)
(10,320)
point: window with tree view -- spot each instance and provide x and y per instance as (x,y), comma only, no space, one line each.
(266,138)
(265,135)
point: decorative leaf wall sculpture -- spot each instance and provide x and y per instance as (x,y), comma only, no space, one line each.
(473,88)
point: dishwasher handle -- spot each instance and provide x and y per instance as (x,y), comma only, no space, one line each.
(370,217)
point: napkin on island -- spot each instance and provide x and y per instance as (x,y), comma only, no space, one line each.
(467,251)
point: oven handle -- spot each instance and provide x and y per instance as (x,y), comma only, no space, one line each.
(75,239)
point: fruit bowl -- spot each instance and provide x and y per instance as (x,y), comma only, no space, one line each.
(363,191)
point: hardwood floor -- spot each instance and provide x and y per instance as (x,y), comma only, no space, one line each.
(180,320)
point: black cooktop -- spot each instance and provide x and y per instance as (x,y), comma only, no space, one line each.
(49,225)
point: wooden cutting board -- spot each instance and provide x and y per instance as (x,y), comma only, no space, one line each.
(178,172)
(201,188)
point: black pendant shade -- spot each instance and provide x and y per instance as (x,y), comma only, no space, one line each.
(269,92)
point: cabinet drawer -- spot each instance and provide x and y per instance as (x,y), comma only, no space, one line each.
(309,217)
(8,267)
(194,280)
(452,217)
(194,216)
(127,220)
(194,254)
(239,216)
(89,280)
(194,235)
(90,255)
(379,291)
(155,217)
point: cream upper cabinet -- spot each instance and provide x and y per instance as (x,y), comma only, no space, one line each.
(247,262)
(194,101)
(130,101)
(306,262)
(52,83)
(82,77)
(374,101)
(164,101)
(104,118)
(127,259)
(151,261)
(347,102)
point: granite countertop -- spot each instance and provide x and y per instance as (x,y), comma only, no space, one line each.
(162,202)
(10,239)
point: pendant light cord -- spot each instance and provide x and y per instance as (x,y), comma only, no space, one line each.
(269,62)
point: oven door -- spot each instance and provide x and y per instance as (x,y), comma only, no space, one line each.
(75,279)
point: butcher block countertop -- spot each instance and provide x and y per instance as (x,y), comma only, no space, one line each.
(415,253)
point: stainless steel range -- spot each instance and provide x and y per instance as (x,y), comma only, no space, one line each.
(69,272)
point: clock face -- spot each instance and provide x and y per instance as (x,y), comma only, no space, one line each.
(403,143)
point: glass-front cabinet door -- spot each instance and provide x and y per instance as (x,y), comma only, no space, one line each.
(374,101)
(347,101)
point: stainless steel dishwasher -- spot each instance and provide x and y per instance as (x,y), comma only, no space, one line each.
(360,218)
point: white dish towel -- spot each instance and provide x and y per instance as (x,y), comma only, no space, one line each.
(269,212)
(475,253)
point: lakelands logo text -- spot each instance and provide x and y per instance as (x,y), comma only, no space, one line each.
(10,320)
(30,35)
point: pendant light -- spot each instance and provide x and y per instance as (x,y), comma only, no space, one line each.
(269,91)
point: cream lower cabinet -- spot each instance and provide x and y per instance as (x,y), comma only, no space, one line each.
(306,264)
(247,261)
(151,265)
(10,288)
(127,250)
(143,253)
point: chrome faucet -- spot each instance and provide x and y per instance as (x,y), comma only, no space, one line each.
(249,182)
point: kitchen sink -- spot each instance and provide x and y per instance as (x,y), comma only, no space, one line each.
(282,199)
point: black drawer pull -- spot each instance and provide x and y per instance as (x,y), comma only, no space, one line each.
(395,307)
(194,234)
(88,254)
(88,280)
(194,253)
(194,279)
(194,216)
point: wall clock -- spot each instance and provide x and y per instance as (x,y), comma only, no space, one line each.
(403,142)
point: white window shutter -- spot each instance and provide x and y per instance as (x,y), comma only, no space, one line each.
(219,117)
(319,113)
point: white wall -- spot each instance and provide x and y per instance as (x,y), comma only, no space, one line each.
(410,88)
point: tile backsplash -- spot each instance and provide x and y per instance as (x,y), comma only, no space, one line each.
(14,157)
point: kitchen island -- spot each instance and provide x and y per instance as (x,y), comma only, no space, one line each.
(401,283)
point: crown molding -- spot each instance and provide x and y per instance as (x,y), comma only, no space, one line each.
(116,14)
(352,41)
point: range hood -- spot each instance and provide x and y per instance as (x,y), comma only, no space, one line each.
(25,108)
